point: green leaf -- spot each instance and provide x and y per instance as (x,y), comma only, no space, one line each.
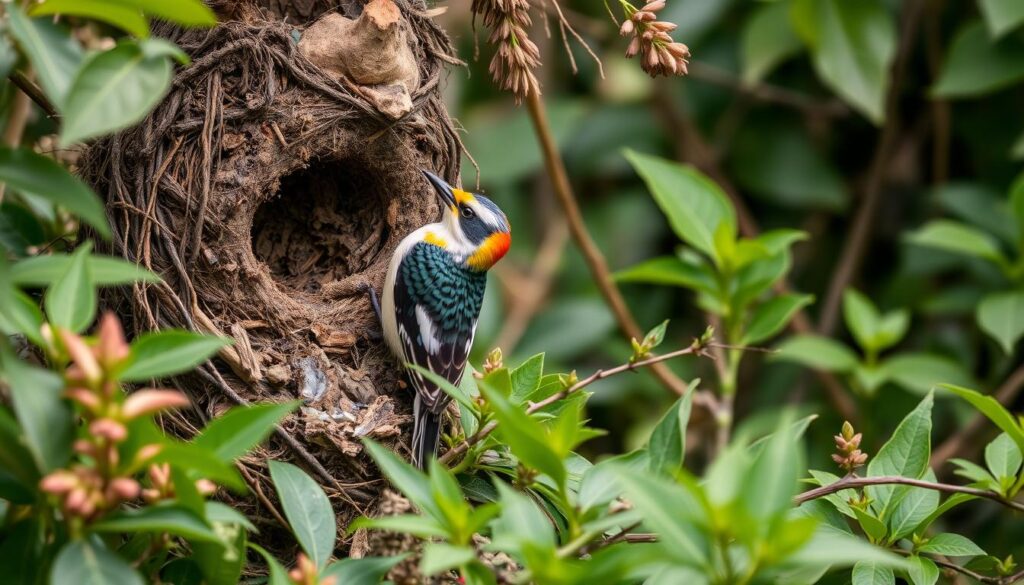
(921,372)
(307,509)
(767,40)
(233,434)
(525,436)
(192,13)
(222,562)
(278,574)
(671,271)
(872,526)
(1001,315)
(364,571)
(922,571)
(772,480)
(158,519)
(817,352)
(171,351)
(695,206)
(905,454)
(977,65)
(995,412)
(43,271)
(197,463)
(424,527)
(772,316)
(839,500)
(45,418)
(526,378)
(951,545)
(862,318)
(17,460)
(438,557)
(126,18)
(54,53)
(976,473)
(832,547)
(853,48)
(43,177)
(666,448)
(670,511)
(872,573)
(914,508)
(88,562)
(113,90)
(980,206)
(21,314)
(409,480)
(71,301)
(1002,16)
(216,512)
(1002,457)
(957,237)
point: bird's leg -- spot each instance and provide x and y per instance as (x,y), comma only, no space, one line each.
(372,293)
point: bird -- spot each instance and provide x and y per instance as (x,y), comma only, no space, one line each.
(432,296)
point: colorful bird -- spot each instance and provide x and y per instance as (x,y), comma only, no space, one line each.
(432,298)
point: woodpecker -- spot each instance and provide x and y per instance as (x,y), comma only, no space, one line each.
(432,297)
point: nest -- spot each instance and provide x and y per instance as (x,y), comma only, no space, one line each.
(267,189)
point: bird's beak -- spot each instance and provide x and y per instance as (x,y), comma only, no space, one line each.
(444,190)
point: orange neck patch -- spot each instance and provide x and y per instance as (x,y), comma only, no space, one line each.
(490,251)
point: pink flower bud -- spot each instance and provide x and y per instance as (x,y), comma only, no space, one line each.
(654,6)
(627,28)
(109,429)
(76,499)
(206,487)
(124,488)
(147,452)
(151,401)
(80,353)
(87,398)
(58,482)
(111,349)
(84,447)
(633,48)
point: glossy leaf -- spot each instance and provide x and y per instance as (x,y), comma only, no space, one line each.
(233,434)
(1002,457)
(44,416)
(364,571)
(905,454)
(525,436)
(853,46)
(995,412)
(71,301)
(914,508)
(767,40)
(817,352)
(693,204)
(977,65)
(113,90)
(1001,315)
(922,571)
(88,562)
(669,270)
(921,372)
(951,545)
(1002,16)
(278,575)
(872,573)
(55,55)
(666,448)
(43,271)
(406,478)
(158,519)
(958,238)
(771,317)
(669,510)
(307,509)
(185,12)
(127,18)
(168,352)
(438,557)
(43,177)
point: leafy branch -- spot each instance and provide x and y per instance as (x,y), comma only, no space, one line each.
(855,481)
(698,348)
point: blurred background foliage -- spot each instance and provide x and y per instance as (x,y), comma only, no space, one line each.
(785,106)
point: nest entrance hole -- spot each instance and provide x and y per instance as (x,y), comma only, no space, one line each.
(326,222)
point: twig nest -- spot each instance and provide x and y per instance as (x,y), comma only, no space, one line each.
(371,50)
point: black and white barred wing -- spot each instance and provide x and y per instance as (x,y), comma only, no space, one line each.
(437,303)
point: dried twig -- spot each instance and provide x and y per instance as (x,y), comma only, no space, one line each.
(462,448)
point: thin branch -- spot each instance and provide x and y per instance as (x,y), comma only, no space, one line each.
(853,481)
(963,440)
(856,243)
(955,567)
(591,253)
(487,429)
(33,91)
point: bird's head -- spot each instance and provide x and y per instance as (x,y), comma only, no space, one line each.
(477,231)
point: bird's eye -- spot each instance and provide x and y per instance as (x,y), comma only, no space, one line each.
(467,212)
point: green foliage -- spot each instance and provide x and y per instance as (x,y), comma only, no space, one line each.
(308,511)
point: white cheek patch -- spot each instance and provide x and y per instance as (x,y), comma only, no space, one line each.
(490,217)
(430,341)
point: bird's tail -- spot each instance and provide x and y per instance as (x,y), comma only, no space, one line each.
(426,434)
